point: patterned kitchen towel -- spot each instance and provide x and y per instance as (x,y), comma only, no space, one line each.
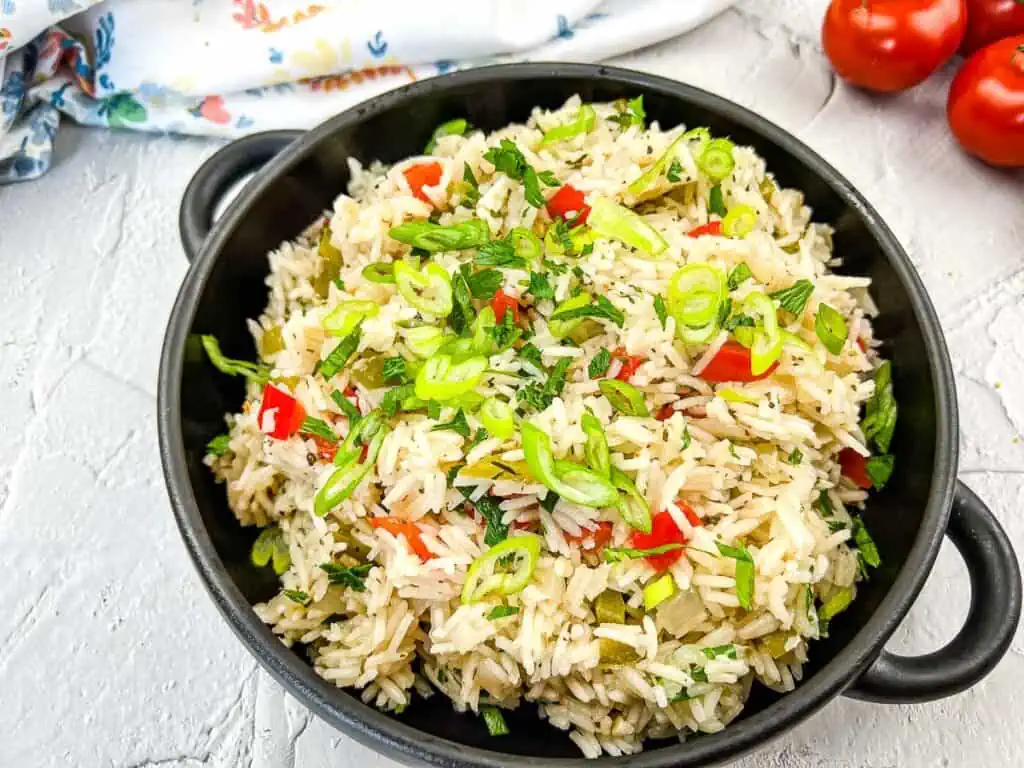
(231,67)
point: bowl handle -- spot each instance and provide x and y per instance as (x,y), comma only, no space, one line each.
(215,178)
(987,631)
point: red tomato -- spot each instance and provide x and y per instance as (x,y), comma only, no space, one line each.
(600,537)
(892,45)
(732,363)
(629,363)
(854,467)
(503,301)
(711,228)
(568,200)
(663,531)
(991,20)
(422,175)
(691,516)
(410,531)
(288,412)
(986,104)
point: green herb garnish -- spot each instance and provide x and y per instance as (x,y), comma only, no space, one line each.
(599,363)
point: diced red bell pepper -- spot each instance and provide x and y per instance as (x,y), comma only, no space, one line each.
(663,531)
(423,175)
(732,363)
(665,412)
(691,516)
(325,449)
(503,301)
(600,537)
(288,412)
(629,363)
(711,228)
(855,468)
(409,530)
(565,201)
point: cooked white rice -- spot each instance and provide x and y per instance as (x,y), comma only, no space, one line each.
(408,631)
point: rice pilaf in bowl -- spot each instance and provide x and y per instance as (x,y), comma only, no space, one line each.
(574,412)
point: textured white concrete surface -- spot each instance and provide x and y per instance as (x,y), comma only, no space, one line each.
(110,652)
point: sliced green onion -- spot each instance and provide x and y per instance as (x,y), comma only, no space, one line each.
(624,397)
(270,548)
(739,221)
(765,338)
(598,456)
(526,245)
(456,127)
(562,328)
(716,204)
(256,371)
(435,237)
(621,554)
(380,272)
(425,340)
(735,396)
(699,134)
(441,378)
(836,604)
(716,160)
(347,478)
(495,721)
(428,290)
(498,418)
(572,482)
(653,174)
(610,219)
(695,296)
(744,573)
(481,338)
(343,319)
(484,577)
(632,505)
(358,433)
(583,123)
(658,591)
(582,485)
(831,328)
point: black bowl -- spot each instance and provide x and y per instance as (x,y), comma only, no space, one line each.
(908,519)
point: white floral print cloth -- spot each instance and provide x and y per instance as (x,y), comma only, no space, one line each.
(231,67)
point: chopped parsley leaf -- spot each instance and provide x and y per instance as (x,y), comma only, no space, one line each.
(660,310)
(502,612)
(457,424)
(485,283)
(794,298)
(394,368)
(600,307)
(599,363)
(540,286)
(737,276)
(499,253)
(219,445)
(354,577)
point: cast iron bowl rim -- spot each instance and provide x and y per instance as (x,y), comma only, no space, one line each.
(401,741)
